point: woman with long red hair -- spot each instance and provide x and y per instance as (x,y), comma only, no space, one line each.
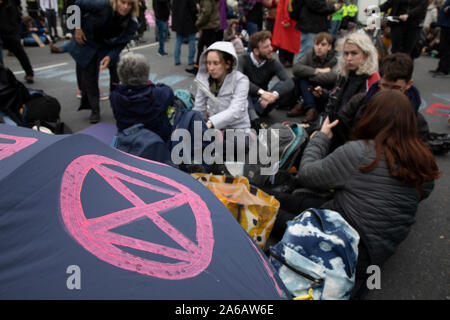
(378,178)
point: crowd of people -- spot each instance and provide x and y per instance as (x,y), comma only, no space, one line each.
(370,146)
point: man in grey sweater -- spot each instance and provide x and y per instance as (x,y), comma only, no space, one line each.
(260,68)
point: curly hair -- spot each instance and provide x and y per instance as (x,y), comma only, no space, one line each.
(363,42)
(133,69)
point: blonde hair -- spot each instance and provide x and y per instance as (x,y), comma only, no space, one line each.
(363,42)
(134,12)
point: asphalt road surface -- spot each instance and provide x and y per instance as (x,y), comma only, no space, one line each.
(420,269)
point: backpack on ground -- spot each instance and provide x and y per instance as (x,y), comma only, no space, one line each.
(29,108)
(42,110)
(183,100)
(439,142)
(142,142)
(292,139)
(317,256)
(186,121)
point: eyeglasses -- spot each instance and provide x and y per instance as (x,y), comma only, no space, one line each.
(388,86)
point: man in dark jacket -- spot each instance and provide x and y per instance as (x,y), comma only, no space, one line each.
(9,35)
(443,68)
(312,20)
(396,73)
(184,15)
(411,14)
(161,9)
(314,69)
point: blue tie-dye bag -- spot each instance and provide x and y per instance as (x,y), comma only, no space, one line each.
(317,256)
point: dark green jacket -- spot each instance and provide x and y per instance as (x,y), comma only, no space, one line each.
(209,16)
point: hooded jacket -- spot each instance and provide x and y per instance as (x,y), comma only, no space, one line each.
(145,104)
(229,109)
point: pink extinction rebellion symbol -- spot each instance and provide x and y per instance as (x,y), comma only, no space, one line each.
(95,236)
(8,149)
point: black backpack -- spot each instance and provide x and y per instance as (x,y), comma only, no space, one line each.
(29,108)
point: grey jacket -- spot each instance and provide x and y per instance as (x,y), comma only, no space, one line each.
(306,68)
(229,110)
(380,207)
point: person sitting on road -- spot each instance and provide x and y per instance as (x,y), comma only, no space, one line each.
(33,34)
(260,68)
(137,100)
(378,178)
(396,72)
(222,90)
(357,71)
(314,69)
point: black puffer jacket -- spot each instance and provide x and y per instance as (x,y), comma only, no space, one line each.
(313,16)
(380,207)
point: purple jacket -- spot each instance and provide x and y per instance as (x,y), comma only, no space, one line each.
(223,15)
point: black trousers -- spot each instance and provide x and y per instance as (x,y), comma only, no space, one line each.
(404,37)
(50,14)
(290,207)
(87,79)
(444,51)
(12,43)
(207,38)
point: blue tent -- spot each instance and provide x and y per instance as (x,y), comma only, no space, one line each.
(81,220)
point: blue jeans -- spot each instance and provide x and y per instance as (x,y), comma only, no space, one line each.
(179,41)
(162,34)
(251,29)
(334,27)
(309,101)
(306,44)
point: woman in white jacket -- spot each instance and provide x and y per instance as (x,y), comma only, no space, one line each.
(222,90)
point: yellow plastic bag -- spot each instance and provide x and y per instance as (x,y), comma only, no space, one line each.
(254,209)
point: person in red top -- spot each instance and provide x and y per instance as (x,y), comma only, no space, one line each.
(285,36)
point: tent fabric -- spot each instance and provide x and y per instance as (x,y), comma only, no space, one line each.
(81,220)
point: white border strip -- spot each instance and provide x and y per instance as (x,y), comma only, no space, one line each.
(44,68)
